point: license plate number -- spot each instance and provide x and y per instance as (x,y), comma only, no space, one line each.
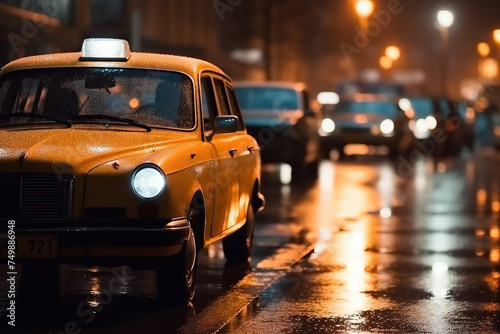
(31,246)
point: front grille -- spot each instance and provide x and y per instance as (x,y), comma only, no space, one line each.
(35,197)
(357,129)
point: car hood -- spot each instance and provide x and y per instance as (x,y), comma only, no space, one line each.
(74,150)
(269,118)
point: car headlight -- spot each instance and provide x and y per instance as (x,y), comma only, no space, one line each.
(387,126)
(421,125)
(148,181)
(431,122)
(328,125)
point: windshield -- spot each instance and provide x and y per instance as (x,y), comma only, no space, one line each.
(267,98)
(154,98)
(386,109)
(422,107)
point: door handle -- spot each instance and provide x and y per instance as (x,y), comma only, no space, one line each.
(250,149)
(233,152)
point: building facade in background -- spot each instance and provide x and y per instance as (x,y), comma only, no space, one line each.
(283,40)
(219,31)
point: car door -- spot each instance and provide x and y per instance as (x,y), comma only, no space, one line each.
(247,156)
(224,148)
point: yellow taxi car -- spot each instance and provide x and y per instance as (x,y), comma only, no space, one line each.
(115,157)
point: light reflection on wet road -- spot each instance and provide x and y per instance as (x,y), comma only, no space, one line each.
(398,247)
(401,253)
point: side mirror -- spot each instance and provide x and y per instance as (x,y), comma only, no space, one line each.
(224,124)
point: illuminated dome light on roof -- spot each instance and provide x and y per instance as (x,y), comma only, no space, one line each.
(105,49)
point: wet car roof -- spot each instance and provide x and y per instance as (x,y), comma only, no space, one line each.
(276,84)
(190,66)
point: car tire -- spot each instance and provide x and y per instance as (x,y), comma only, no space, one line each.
(238,245)
(176,277)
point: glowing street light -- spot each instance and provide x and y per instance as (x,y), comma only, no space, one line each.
(385,62)
(485,64)
(445,19)
(488,69)
(364,8)
(483,49)
(496,35)
(392,52)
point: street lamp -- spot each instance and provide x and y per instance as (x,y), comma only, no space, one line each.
(364,8)
(392,52)
(496,35)
(385,62)
(483,49)
(484,64)
(445,19)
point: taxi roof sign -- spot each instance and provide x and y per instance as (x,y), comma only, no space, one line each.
(105,49)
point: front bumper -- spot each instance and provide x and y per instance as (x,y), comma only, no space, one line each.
(345,136)
(87,244)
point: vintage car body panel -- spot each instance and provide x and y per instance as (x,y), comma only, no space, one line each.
(102,158)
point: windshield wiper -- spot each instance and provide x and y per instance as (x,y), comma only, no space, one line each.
(110,118)
(31,115)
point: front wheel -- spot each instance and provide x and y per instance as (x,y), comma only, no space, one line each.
(238,245)
(176,277)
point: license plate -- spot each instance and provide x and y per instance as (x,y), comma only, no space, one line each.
(31,246)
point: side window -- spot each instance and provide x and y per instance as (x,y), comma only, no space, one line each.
(235,108)
(220,92)
(208,105)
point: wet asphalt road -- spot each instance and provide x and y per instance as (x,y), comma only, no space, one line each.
(418,254)
(371,246)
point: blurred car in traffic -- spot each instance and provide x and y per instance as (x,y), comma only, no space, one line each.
(110,157)
(452,123)
(468,115)
(279,116)
(437,125)
(367,119)
(488,115)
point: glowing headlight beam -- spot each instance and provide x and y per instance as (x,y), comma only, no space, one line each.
(148,182)
(387,126)
(328,125)
(431,122)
